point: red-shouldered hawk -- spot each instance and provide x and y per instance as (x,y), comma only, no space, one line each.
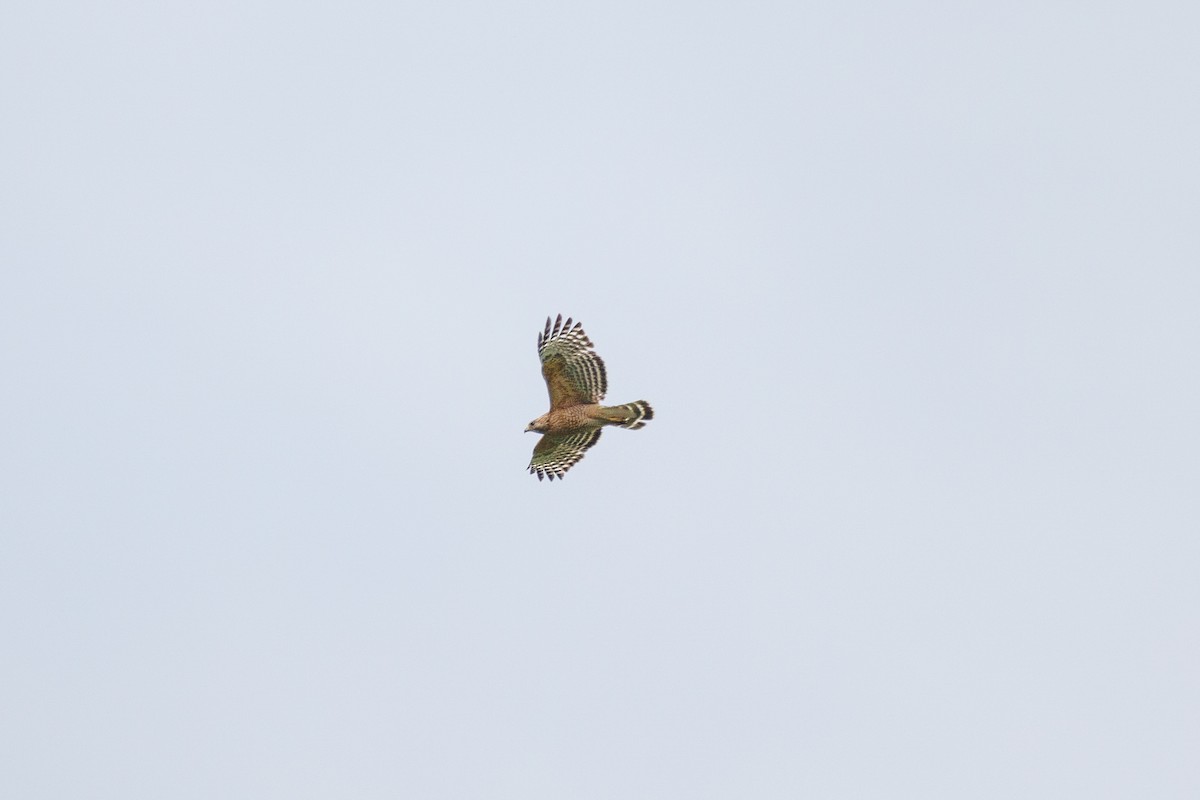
(576,380)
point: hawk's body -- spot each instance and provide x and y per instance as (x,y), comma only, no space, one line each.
(577,381)
(589,417)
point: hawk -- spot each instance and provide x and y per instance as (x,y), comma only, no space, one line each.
(576,380)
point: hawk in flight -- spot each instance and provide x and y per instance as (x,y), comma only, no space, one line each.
(577,382)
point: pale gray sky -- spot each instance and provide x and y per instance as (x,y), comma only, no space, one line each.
(913,290)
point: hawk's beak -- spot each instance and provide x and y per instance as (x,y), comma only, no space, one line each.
(528,428)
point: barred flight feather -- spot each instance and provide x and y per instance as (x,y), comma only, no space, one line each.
(554,455)
(582,367)
(636,414)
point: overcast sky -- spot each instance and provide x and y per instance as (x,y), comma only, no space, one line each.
(913,290)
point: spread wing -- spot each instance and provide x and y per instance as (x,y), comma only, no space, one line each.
(574,373)
(554,455)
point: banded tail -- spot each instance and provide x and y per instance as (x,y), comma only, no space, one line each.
(631,415)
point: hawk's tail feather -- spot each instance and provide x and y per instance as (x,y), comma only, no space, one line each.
(631,415)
